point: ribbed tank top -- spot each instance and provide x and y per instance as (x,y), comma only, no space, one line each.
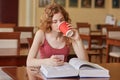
(46,51)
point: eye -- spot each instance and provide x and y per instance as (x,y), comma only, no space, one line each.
(62,19)
(54,21)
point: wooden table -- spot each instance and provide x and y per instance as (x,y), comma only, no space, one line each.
(11,57)
(29,73)
(115,41)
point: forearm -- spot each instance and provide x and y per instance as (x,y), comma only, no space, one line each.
(37,62)
(79,49)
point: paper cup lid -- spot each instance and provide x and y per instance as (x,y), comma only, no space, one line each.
(69,33)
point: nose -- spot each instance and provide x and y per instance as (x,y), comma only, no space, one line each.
(59,22)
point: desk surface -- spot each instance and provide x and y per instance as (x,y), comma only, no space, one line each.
(11,57)
(8,51)
(27,73)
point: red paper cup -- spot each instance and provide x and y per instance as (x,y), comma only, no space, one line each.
(65,29)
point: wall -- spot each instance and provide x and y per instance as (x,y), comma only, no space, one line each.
(22,11)
(91,15)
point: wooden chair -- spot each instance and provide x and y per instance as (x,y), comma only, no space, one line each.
(104,28)
(7,27)
(10,40)
(83,28)
(26,32)
(30,41)
(91,47)
(113,51)
(10,49)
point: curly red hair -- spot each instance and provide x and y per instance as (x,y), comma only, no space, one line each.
(50,10)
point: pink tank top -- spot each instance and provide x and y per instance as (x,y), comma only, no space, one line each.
(46,51)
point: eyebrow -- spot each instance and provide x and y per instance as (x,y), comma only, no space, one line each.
(60,19)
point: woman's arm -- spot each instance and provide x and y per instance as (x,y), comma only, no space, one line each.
(33,52)
(78,46)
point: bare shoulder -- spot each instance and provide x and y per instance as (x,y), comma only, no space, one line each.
(40,32)
(40,35)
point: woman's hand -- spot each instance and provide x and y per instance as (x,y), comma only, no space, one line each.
(75,35)
(54,61)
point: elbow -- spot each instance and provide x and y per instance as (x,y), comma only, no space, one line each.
(27,62)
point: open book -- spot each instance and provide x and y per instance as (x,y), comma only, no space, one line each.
(74,68)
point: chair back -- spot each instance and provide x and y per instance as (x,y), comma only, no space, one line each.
(104,28)
(83,28)
(113,32)
(7,27)
(114,50)
(10,41)
(26,32)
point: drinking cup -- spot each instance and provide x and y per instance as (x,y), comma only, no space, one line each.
(64,27)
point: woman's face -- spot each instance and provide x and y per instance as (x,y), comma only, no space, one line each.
(56,20)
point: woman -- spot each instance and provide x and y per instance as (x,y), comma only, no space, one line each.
(50,42)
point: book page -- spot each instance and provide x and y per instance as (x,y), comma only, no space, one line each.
(88,69)
(77,63)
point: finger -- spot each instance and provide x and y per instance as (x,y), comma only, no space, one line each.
(60,63)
